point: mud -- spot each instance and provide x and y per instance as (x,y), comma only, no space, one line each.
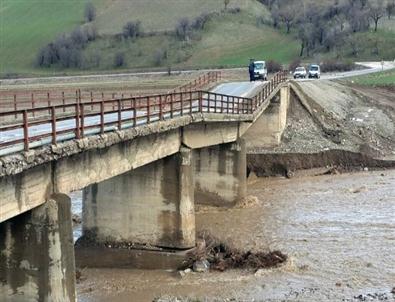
(286,164)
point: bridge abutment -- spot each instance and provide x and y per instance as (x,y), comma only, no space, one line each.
(151,205)
(220,174)
(37,254)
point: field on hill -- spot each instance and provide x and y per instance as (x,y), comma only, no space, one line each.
(26,26)
(386,78)
(228,39)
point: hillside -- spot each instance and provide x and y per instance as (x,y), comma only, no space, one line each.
(229,38)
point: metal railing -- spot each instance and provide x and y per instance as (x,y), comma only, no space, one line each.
(36,99)
(98,117)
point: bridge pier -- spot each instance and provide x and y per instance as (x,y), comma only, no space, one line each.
(37,254)
(220,174)
(153,204)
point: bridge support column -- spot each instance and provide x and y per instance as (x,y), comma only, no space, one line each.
(220,174)
(37,254)
(153,205)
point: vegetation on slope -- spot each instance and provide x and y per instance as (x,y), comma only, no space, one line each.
(246,29)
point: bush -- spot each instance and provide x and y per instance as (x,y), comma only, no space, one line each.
(132,29)
(331,65)
(90,12)
(273,66)
(295,63)
(182,28)
(119,59)
(234,10)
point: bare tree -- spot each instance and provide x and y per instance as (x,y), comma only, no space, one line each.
(288,16)
(90,12)
(132,29)
(226,3)
(119,59)
(182,28)
(390,9)
(376,12)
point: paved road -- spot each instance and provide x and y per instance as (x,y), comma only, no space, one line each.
(241,89)
(371,67)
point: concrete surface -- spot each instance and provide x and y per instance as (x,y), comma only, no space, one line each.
(152,205)
(37,254)
(221,174)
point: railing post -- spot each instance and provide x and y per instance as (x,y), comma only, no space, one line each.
(53,124)
(82,114)
(171,105)
(160,108)
(25,131)
(201,101)
(119,115)
(63,101)
(49,102)
(190,102)
(77,120)
(101,117)
(15,106)
(33,104)
(134,113)
(182,104)
(148,110)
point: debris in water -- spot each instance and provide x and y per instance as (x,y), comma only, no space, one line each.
(220,256)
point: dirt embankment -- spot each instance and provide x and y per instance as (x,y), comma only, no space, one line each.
(332,125)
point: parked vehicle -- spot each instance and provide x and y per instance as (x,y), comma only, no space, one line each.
(260,70)
(314,71)
(300,72)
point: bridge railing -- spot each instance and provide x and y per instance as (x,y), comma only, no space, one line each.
(38,98)
(98,117)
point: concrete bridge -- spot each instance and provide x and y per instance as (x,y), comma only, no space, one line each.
(142,164)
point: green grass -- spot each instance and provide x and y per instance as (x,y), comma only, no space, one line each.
(385,78)
(155,15)
(228,40)
(27,25)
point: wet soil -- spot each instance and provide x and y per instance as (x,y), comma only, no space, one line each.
(337,230)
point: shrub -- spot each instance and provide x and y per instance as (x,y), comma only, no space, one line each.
(273,66)
(295,63)
(132,29)
(90,12)
(332,65)
(119,59)
(182,28)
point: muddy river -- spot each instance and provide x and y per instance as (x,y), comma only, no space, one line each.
(338,231)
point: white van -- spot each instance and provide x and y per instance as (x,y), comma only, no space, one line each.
(260,70)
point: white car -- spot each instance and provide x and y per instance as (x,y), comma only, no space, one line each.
(260,71)
(300,72)
(314,71)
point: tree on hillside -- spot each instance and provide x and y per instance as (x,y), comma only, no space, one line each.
(376,12)
(182,28)
(131,29)
(226,3)
(90,12)
(287,15)
(390,8)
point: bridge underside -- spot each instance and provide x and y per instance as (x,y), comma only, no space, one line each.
(139,190)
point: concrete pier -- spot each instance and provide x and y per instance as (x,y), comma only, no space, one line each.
(152,205)
(220,174)
(37,254)
(269,127)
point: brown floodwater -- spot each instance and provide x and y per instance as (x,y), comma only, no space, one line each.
(338,231)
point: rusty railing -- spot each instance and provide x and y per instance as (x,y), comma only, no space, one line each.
(98,117)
